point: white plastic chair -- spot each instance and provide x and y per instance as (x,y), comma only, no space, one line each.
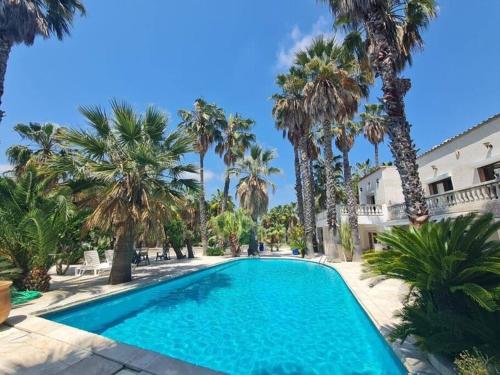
(109,256)
(92,263)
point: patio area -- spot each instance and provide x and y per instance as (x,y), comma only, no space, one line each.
(33,345)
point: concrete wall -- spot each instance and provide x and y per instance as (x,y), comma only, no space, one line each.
(384,183)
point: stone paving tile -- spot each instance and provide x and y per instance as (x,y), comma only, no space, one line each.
(93,365)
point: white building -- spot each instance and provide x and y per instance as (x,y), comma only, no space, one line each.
(459,175)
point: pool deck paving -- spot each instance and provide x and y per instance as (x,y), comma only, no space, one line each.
(33,345)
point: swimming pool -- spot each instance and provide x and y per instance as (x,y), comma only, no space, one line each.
(250,316)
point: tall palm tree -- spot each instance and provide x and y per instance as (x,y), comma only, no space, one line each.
(236,139)
(189,212)
(203,125)
(344,139)
(293,136)
(133,169)
(393,31)
(22,20)
(332,94)
(43,145)
(290,115)
(320,182)
(252,189)
(373,122)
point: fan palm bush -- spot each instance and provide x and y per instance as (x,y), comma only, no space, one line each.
(453,270)
(231,226)
(34,222)
(21,21)
(132,171)
(252,189)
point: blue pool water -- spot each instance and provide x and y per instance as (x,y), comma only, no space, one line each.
(247,317)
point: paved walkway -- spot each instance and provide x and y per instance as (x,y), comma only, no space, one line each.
(32,345)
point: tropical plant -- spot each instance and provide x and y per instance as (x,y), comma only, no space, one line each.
(393,31)
(272,235)
(373,122)
(132,170)
(174,236)
(8,270)
(284,216)
(216,204)
(34,222)
(43,145)
(475,363)
(230,226)
(215,251)
(252,189)
(297,239)
(203,125)
(453,270)
(290,116)
(320,182)
(236,139)
(190,213)
(334,89)
(345,135)
(21,21)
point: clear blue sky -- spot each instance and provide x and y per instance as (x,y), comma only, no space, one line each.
(168,53)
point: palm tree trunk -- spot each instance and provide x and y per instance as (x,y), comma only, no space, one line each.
(203,214)
(253,246)
(376,155)
(226,193)
(298,185)
(402,147)
(351,206)
(308,193)
(313,205)
(5,47)
(331,211)
(189,246)
(121,269)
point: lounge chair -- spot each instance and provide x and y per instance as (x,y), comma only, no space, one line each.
(109,256)
(92,263)
(163,255)
(141,256)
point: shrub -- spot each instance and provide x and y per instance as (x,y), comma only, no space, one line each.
(297,239)
(475,363)
(215,251)
(453,270)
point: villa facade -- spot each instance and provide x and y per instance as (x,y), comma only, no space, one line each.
(459,176)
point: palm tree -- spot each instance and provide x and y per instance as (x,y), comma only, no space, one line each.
(373,123)
(22,20)
(344,139)
(132,169)
(320,182)
(203,125)
(43,145)
(290,116)
(252,189)
(393,30)
(332,94)
(236,139)
(189,211)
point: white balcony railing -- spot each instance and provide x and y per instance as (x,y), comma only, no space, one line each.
(365,210)
(470,199)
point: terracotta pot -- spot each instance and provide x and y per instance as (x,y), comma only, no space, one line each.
(4,300)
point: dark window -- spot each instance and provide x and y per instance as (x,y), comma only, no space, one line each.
(441,186)
(489,172)
(370,199)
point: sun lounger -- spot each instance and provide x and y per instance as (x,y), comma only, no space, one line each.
(92,263)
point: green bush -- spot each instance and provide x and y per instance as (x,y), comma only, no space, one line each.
(215,251)
(297,239)
(475,363)
(453,270)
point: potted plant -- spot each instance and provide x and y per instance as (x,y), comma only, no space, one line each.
(4,299)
